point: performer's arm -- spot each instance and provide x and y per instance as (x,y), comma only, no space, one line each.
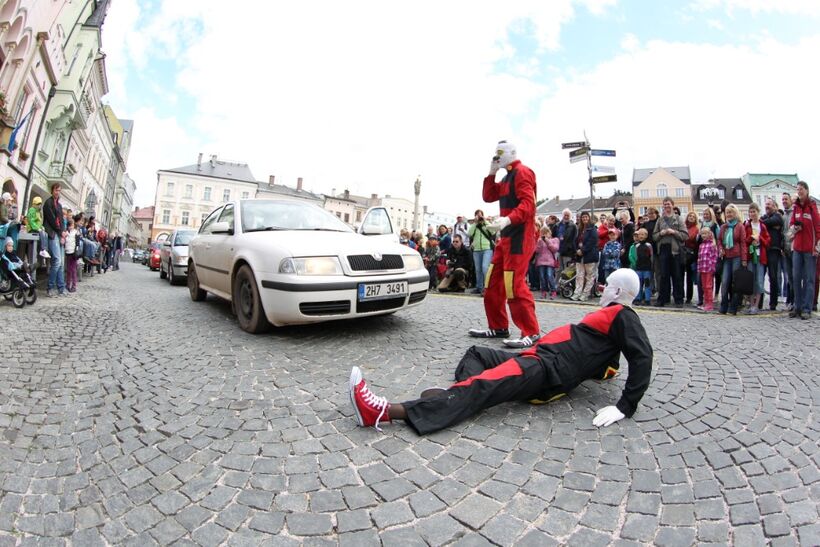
(631,337)
(525,192)
(491,189)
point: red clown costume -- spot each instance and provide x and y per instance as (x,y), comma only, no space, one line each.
(506,283)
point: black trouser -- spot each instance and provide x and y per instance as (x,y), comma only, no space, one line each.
(773,269)
(670,272)
(486,377)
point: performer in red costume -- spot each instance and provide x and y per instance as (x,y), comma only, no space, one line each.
(560,361)
(506,283)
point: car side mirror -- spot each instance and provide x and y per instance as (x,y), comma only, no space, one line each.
(222,228)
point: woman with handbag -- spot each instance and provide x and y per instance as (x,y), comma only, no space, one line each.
(733,248)
(758,237)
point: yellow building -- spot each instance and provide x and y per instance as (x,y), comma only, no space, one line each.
(651,186)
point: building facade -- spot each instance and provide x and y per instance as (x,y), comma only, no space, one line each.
(271,190)
(651,186)
(348,208)
(762,186)
(144,218)
(720,192)
(186,195)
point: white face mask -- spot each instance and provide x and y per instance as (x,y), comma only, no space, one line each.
(622,286)
(504,154)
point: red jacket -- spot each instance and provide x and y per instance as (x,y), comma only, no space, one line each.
(763,242)
(741,246)
(516,197)
(603,236)
(805,240)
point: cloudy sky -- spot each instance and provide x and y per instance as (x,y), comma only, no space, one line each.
(367,95)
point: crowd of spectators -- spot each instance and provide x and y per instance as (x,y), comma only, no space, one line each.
(715,260)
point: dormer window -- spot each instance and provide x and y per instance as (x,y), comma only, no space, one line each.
(738,193)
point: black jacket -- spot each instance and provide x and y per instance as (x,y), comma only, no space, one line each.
(52,217)
(568,244)
(774,224)
(589,247)
(459,259)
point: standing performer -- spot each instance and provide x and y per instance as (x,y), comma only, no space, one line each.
(507,276)
(560,361)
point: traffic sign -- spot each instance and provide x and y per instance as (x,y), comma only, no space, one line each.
(603,169)
(573,145)
(580,153)
(595,152)
(605,178)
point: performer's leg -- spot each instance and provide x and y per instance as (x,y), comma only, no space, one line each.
(477,359)
(522,304)
(495,305)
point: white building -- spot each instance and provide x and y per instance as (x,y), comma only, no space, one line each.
(271,190)
(186,195)
(436,219)
(770,185)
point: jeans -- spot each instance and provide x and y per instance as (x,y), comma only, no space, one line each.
(730,266)
(71,272)
(481,260)
(760,272)
(788,283)
(55,271)
(43,240)
(803,268)
(646,285)
(670,273)
(547,278)
(773,268)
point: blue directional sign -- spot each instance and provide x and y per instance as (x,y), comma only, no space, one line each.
(595,152)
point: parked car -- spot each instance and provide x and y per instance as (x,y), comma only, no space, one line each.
(173,256)
(138,256)
(153,256)
(288,262)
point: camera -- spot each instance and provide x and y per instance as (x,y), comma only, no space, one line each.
(798,223)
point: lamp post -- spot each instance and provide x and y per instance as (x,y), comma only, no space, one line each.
(417,191)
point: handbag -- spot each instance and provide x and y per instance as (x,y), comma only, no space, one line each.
(743,281)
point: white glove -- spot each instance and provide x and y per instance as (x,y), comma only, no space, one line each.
(494,167)
(607,416)
(499,224)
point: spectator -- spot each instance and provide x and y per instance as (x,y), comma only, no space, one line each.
(626,223)
(459,261)
(690,258)
(652,216)
(788,285)
(670,233)
(430,256)
(706,263)
(72,254)
(444,238)
(774,224)
(710,221)
(733,248)
(805,236)
(607,222)
(460,229)
(483,245)
(35,224)
(587,264)
(611,256)
(568,239)
(53,222)
(546,261)
(758,237)
(640,260)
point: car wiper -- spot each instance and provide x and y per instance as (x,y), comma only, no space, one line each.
(265,229)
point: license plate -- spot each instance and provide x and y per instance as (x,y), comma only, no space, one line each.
(377,291)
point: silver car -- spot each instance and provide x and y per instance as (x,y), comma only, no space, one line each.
(173,256)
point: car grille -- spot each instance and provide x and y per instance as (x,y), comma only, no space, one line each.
(334,307)
(417,297)
(379,305)
(361,263)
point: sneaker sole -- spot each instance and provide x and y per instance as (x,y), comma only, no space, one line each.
(355,378)
(479,335)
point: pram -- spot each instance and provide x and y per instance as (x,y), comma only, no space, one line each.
(20,288)
(566,282)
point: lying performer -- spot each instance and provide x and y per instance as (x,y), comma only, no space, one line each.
(560,361)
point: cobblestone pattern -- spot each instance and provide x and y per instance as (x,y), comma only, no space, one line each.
(143,418)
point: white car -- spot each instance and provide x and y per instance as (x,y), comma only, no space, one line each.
(288,262)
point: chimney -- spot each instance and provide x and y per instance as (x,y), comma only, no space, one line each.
(271,178)
(199,162)
(213,161)
(374,196)
(299,184)
(347,194)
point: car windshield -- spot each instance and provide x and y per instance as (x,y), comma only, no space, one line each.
(184,238)
(260,215)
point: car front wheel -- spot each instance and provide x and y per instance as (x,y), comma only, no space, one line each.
(162,274)
(197,294)
(247,303)
(171,279)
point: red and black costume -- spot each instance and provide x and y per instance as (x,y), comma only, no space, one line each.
(560,361)
(507,276)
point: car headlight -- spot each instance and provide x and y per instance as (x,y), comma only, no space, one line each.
(413,262)
(319,265)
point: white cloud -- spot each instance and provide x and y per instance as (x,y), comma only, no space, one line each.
(630,42)
(790,7)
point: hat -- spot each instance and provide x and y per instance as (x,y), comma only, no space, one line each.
(37,200)
(8,240)
(6,196)
(615,231)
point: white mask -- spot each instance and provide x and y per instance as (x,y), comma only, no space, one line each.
(622,286)
(505,154)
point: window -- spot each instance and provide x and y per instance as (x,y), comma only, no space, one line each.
(227,215)
(246,195)
(226,195)
(339,214)
(661,189)
(169,189)
(189,190)
(721,193)
(347,217)
(358,216)
(643,211)
(206,195)
(644,193)
(684,210)
(680,192)
(166,216)
(738,193)
(209,220)
(184,221)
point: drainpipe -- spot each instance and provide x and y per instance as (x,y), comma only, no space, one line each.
(51,93)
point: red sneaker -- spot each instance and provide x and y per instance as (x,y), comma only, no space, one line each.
(370,409)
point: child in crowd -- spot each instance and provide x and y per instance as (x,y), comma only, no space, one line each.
(14,268)
(35,224)
(707,261)
(431,255)
(72,254)
(612,253)
(546,262)
(640,259)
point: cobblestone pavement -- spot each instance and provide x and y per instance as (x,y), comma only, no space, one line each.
(131,415)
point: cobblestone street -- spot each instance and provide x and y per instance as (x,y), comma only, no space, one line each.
(131,415)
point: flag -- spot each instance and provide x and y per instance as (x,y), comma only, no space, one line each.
(17,128)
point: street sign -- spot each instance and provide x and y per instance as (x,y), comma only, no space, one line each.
(580,153)
(595,152)
(605,178)
(573,145)
(603,169)
(576,159)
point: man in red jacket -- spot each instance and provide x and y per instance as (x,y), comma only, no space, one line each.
(507,276)
(804,233)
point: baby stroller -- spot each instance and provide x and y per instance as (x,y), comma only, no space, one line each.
(566,282)
(19,288)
